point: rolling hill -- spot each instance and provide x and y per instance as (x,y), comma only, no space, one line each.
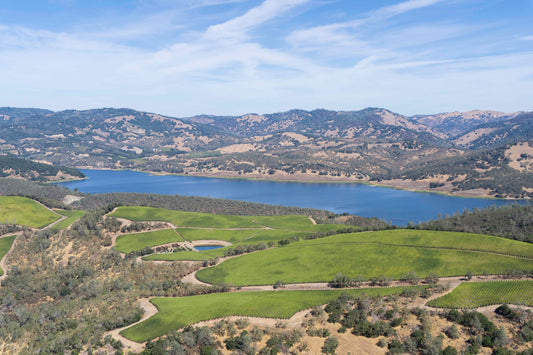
(373,144)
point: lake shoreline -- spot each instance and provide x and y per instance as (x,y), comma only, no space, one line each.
(316,179)
(399,206)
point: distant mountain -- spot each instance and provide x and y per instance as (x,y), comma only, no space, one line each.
(11,113)
(465,153)
(456,123)
(516,129)
(374,123)
(95,137)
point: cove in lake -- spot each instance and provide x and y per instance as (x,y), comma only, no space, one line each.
(396,206)
(208,247)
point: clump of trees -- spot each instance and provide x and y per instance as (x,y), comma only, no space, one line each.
(509,221)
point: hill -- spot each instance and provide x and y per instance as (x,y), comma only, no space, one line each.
(13,167)
(516,129)
(456,123)
(373,144)
(512,221)
(12,113)
(504,171)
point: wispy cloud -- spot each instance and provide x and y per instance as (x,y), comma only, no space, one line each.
(236,28)
(211,64)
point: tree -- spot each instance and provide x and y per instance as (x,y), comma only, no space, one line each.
(330,345)
(432,278)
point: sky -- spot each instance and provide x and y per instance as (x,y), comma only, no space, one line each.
(229,57)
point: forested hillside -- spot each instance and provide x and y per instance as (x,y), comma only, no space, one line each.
(511,221)
(14,167)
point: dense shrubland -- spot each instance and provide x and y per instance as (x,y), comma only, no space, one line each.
(511,221)
(192,204)
(65,289)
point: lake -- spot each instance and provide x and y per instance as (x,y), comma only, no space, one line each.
(396,206)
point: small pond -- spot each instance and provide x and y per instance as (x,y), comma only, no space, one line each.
(207,247)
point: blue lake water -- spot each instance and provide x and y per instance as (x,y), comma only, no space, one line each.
(396,206)
(207,247)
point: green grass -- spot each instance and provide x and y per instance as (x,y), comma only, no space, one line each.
(239,236)
(479,294)
(5,245)
(285,222)
(204,226)
(184,219)
(137,241)
(26,212)
(72,216)
(437,239)
(206,220)
(176,313)
(364,254)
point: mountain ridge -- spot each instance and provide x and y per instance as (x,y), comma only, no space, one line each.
(373,144)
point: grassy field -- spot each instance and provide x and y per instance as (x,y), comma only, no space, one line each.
(184,219)
(72,216)
(202,226)
(437,239)
(361,254)
(479,294)
(175,313)
(238,236)
(26,212)
(206,220)
(5,245)
(137,241)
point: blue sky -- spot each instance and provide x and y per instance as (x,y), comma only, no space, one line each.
(185,57)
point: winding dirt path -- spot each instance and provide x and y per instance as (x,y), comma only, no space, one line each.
(130,345)
(298,317)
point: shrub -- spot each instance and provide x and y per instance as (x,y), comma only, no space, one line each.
(330,345)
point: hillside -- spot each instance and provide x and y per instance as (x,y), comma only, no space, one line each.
(374,123)
(512,221)
(516,129)
(373,144)
(73,291)
(13,167)
(456,123)
(505,171)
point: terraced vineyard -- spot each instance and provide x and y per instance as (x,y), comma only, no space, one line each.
(390,253)
(175,313)
(25,212)
(479,294)
(238,230)
(138,241)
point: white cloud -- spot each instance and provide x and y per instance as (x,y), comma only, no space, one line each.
(236,28)
(200,72)
(394,10)
(528,38)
